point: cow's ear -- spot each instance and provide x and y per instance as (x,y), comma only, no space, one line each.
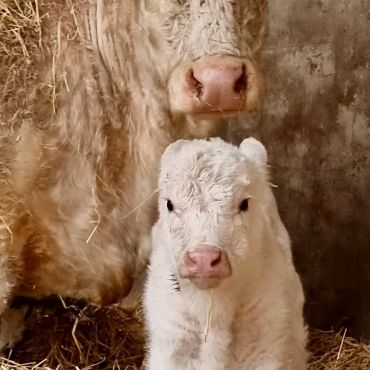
(254,150)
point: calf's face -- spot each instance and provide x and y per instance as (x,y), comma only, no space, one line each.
(208,198)
(212,44)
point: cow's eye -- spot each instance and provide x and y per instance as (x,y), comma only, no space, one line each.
(181,2)
(243,207)
(169,205)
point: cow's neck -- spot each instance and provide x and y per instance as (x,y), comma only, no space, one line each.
(124,41)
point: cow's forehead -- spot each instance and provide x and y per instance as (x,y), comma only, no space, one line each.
(196,4)
(208,27)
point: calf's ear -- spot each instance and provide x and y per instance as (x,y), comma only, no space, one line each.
(170,154)
(254,150)
(174,148)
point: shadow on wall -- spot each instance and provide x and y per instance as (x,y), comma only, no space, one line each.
(316,125)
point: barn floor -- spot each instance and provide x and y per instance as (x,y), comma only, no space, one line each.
(84,338)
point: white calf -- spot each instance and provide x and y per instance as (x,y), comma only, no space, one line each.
(222,291)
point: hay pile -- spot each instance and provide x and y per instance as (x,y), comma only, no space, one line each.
(20,47)
(79,337)
(334,350)
(73,336)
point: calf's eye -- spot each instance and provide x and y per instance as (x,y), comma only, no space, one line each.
(243,207)
(169,205)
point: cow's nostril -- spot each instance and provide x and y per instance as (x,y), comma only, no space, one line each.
(195,85)
(241,83)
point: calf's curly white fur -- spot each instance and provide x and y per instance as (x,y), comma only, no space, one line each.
(222,291)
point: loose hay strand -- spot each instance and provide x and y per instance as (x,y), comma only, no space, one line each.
(96,222)
(6,227)
(77,343)
(341,344)
(140,204)
(209,316)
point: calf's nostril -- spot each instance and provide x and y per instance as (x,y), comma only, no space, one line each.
(216,260)
(191,259)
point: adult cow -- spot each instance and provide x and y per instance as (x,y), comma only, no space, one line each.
(86,111)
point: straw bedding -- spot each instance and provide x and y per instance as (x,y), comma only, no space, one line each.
(86,337)
(74,336)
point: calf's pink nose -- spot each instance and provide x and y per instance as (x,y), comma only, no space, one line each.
(219,83)
(203,260)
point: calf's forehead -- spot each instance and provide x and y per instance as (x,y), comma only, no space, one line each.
(215,172)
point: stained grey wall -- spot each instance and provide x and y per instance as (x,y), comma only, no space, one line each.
(316,125)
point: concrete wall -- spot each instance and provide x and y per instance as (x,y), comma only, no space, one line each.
(316,125)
